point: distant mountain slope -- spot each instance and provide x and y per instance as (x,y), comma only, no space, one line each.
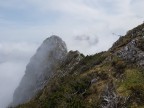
(40,69)
(111,79)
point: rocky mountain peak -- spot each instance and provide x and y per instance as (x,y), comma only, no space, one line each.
(40,68)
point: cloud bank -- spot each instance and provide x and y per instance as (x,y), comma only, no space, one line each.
(13,59)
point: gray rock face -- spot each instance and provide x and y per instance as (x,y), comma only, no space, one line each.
(132,52)
(40,69)
(110,98)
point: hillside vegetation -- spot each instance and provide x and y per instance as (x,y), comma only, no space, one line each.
(110,79)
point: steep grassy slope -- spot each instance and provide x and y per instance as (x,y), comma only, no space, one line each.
(104,80)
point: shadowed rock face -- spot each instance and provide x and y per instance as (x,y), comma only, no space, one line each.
(40,69)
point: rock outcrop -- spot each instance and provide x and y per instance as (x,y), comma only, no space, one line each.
(132,52)
(130,47)
(40,69)
(70,61)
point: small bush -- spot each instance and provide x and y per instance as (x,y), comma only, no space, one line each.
(119,66)
(137,94)
(140,44)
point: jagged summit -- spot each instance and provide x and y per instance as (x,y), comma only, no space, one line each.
(40,69)
(54,39)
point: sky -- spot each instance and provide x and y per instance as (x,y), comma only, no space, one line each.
(89,26)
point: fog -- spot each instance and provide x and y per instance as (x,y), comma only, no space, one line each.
(40,68)
(12,73)
(13,57)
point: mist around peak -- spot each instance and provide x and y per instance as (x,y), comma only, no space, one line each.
(40,68)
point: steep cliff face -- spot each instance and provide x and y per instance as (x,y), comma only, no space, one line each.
(110,79)
(40,69)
